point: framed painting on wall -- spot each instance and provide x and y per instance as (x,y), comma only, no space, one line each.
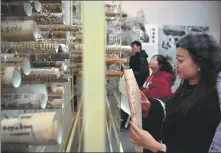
(170,34)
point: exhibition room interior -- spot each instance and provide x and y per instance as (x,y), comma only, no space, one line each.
(65,67)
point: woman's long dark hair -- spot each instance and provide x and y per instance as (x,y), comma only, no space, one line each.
(165,65)
(206,84)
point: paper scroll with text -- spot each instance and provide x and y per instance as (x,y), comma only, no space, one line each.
(134,99)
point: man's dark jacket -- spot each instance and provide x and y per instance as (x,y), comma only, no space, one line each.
(139,64)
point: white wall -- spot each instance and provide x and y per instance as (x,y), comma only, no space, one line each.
(193,13)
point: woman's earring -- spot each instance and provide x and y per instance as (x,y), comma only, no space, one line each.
(198,69)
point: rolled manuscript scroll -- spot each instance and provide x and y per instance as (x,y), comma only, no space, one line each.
(46,72)
(76,55)
(57,89)
(51,56)
(22,101)
(55,97)
(117,48)
(13,18)
(53,34)
(40,18)
(78,37)
(48,18)
(37,6)
(52,8)
(77,33)
(39,89)
(33,47)
(134,99)
(61,27)
(19,30)
(34,129)
(20,62)
(75,66)
(17,9)
(10,76)
(44,64)
(36,80)
(4,57)
(54,104)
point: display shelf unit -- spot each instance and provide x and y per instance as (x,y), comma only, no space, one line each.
(35,79)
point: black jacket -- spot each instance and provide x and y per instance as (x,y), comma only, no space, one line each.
(139,64)
(189,133)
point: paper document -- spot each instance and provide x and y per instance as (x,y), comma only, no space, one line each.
(134,99)
(124,104)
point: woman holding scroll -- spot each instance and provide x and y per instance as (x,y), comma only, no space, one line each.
(158,84)
(191,115)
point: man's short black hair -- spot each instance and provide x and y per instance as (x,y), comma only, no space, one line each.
(137,43)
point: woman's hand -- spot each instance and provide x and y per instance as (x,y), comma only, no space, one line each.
(145,104)
(143,138)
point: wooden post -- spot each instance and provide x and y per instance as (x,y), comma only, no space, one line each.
(94,38)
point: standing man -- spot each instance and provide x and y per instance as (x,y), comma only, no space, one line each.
(138,63)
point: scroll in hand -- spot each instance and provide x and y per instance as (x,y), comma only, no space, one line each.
(145,105)
(143,138)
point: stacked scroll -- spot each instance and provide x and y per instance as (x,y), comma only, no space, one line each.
(25,129)
(34,59)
